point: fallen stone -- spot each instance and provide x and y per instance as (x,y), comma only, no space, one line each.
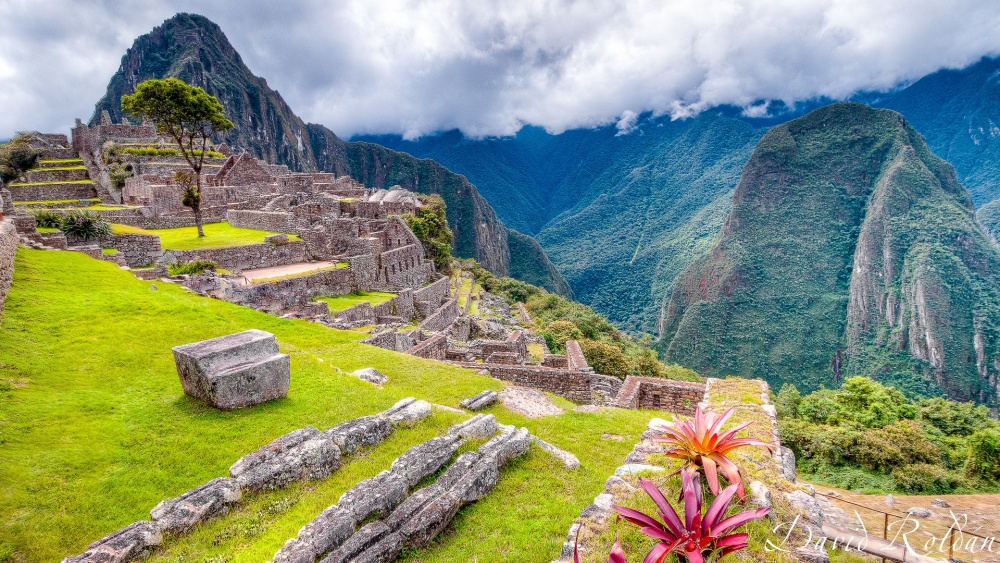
(938,503)
(371,375)
(374,543)
(509,444)
(360,432)
(919,512)
(425,458)
(568,459)
(478,426)
(760,494)
(424,515)
(379,495)
(890,500)
(481,401)
(407,411)
(279,239)
(238,370)
(641,452)
(471,477)
(811,554)
(301,454)
(322,534)
(614,483)
(633,468)
(528,402)
(126,544)
(808,505)
(178,514)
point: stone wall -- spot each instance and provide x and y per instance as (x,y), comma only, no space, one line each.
(248,257)
(429,298)
(52,191)
(274,221)
(8,249)
(400,306)
(680,397)
(442,318)
(434,348)
(403,267)
(281,295)
(137,250)
(578,387)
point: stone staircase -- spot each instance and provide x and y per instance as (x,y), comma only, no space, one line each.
(60,177)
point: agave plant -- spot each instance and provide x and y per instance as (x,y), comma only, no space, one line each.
(701,444)
(699,537)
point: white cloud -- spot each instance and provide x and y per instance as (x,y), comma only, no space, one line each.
(488,67)
(627,123)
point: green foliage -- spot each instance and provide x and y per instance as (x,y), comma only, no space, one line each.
(196,266)
(85,225)
(430,225)
(869,436)
(46,219)
(556,334)
(605,358)
(162,151)
(984,454)
(17,157)
(118,170)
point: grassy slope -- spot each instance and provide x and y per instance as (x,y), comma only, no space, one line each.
(95,429)
(217,235)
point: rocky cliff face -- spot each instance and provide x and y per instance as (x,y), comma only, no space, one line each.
(194,49)
(850,249)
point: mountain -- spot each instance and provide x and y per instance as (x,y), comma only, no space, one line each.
(958,111)
(619,215)
(194,49)
(850,249)
(989,217)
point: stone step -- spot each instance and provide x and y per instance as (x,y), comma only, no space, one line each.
(54,153)
(58,174)
(53,191)
(58,203)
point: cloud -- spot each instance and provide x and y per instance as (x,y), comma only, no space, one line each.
(415,67)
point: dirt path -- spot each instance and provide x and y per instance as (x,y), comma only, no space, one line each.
(287,270)
(528,402)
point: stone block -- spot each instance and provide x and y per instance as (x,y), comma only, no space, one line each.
(178,514)
(509,444)
(481,401)
(407,411)
(324,533)
(279,239)
(371,375)
(360,432)
(478,426)
(425,459)
(471,477)
(237,370)
(126,544)
(424,515)
(374,543)
(301,454)
(378,495)
(788,464)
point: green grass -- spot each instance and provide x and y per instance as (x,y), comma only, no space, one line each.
(51,183)
(341,302)
(217,235)
(51,202)
(59,168)
(95,429)
(47,229)
(59,160)
(109,251)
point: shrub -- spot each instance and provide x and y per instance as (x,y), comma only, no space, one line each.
(923,478)
(984,454)
(898,444)
(955,419)
(47,219)
(17,157)
(604,358)
(430,225)
(557,333)
(787,401)
(85,225)
(196,266)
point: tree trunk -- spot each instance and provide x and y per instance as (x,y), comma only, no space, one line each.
(197,221)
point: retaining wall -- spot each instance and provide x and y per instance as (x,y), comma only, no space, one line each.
(274,221)
(247,257)
(137,250)
(442,318)
(681,397)
(578,387)
(8,249)
(427,299)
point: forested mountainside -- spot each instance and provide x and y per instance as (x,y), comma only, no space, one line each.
(850,249)
(619,215)
(194,49)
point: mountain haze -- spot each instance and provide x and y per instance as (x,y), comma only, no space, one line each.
(194,49)
(850,249)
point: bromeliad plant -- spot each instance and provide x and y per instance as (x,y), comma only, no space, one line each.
(699,538)
(700,443)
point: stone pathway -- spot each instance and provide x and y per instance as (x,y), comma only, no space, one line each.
(528,402)
(287,270)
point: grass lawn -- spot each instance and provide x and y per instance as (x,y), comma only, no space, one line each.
(59,168)
(95,429)
(51,183)
(60,161)
(341,302)
(217,235)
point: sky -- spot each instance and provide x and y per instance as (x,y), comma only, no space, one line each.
(490,67)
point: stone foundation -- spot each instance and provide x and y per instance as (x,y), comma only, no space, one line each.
(680,397)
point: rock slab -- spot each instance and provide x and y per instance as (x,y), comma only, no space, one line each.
(233,371)
(306,453)
(126,544)
(371,375)
(177,515)
(481,401)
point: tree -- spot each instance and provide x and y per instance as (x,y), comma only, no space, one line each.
(185,113)
(17,157)
(190,194)
(430,225)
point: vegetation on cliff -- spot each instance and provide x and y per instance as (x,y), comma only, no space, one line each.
(850,249)
(989,217)
(430,226)
(870,437)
